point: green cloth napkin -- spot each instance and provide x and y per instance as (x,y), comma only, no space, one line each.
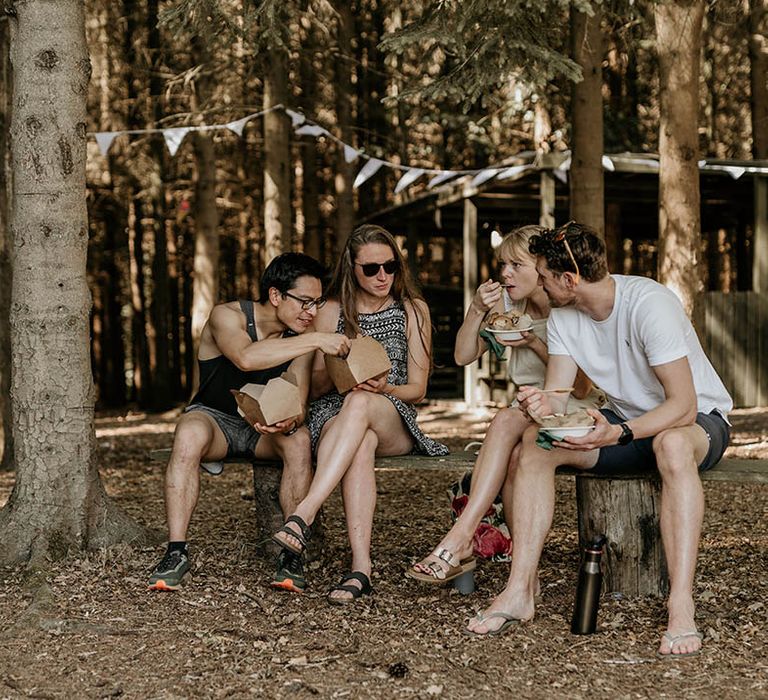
(499,349)
(544,440)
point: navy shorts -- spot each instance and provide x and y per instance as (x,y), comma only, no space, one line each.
(638,455)
(240,436)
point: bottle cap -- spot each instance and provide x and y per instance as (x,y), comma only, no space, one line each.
(597,542)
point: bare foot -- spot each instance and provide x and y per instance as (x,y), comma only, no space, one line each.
(344,596)
(520,606)
(426,565)
(294,543)
(685,643)
(681,637)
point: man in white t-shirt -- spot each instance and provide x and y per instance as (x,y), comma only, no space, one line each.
(667,409)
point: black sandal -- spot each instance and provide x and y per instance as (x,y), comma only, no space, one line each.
(365,589)
(302,538)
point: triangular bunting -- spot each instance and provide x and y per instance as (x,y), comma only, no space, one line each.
(512,171)
(608,164)
(735,172)
(484,176)
(565,165)
(311,130)
(174,137)
(561,175)
(440,178)
(367,171)
(297,119)
(105,139)
(238,126)
(350,154)
(411,175)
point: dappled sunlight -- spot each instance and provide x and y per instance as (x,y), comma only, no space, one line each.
(6,486)
(147,428)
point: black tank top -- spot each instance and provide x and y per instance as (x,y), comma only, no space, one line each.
(218,375)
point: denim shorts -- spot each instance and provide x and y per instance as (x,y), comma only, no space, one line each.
(240,436)
(638,455)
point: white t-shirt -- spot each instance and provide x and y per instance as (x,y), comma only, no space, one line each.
(647,327)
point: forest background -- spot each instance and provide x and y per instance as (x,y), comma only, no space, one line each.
(446,86)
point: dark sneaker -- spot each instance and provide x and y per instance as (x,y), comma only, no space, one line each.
(169,572)
(290,572)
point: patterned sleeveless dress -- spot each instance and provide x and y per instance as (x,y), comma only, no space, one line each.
(388,327)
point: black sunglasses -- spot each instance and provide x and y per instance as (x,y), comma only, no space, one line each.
(372,269)
(307,304)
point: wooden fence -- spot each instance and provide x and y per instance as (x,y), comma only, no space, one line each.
(733,328)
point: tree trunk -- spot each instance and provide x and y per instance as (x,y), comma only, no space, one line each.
(371,90)
(142,378)
(345,201)
(310,191)
(634,564)
(205,289)
(6,449)
(277,159)
(758,63)
(586,177)
(159,308)
(58,502)
(678,36)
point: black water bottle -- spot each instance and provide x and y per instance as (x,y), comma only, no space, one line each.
(588,589)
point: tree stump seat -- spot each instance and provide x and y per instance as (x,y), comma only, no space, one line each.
(624,508)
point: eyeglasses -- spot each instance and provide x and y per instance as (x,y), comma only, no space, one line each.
(307,304)
(372,269)
(560,237)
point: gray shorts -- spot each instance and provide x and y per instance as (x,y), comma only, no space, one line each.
(240,436)
(638,456)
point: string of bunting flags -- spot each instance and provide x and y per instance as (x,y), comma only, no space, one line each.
(304,127)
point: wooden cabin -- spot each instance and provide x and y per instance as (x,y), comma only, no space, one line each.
(446,233)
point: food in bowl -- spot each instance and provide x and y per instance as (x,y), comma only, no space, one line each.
(559,426)
(509,326)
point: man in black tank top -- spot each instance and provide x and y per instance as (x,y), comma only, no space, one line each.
(247,342)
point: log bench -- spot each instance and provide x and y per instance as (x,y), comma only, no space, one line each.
(624,508)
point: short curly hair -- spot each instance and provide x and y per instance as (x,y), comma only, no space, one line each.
(587,247)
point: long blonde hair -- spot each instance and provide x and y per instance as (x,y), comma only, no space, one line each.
(344,285)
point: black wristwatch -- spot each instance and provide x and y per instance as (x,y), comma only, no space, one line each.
(626,434)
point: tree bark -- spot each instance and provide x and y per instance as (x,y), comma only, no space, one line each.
(345,201)
(205,286)
(58,502)
(627,512)
(277,160)
(758,64)
(6,461)
(158,327)
(678,36)
(586,176)
(142,377)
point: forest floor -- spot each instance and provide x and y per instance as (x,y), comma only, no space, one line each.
(94,631)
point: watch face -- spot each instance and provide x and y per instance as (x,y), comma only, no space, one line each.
(626,435)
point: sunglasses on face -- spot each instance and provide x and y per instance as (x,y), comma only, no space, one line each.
(372,269)
(307,304)
(560,237)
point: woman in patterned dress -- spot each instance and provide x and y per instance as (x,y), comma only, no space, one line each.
(372,293)
(519,291)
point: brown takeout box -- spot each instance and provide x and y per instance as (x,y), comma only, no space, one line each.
(267,404)
(367,359)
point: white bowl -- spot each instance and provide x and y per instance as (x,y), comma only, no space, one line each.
(509,335)
(560,433)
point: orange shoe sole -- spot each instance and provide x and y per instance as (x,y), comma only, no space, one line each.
(287,585)
(162,586)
